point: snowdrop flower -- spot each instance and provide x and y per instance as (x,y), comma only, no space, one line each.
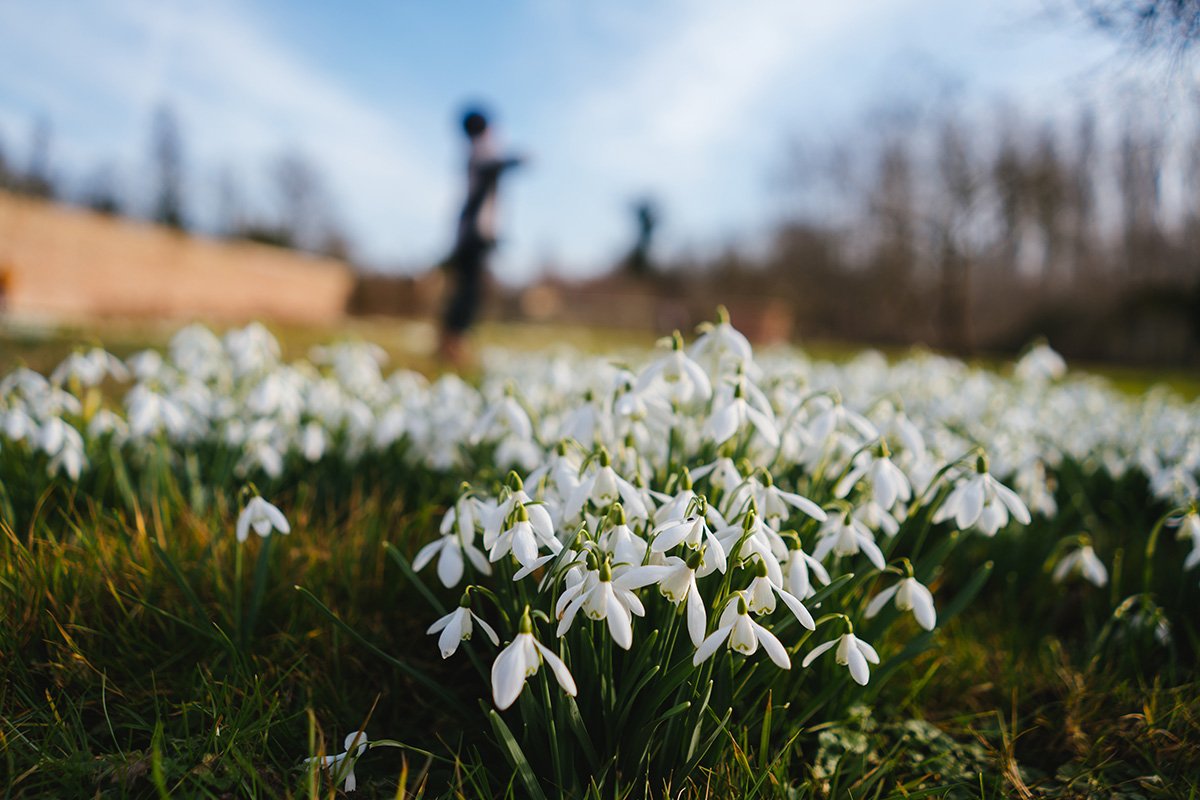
(457,627)
(1037,490)
(723,474)
(1084,562)
(251,349)
(505,416)
(1041,364)
(983,502)
(522,659)
(603,486)
(733,415)
(876,518)
(677,377)
(796,573)
(89,368)
(151,412)
(531,528)
(356,745)
(561,469)
(773,503)
(887,481)
(910,595)
(843,535)
(263,517)
(104,423)
(313,442)
(835,416)
(720,343)
(196,351)
(692,532)
(18,424)
(851,652)
(625,546)
(761,598)
(1189,527)
(65,447)
(744,635)
(678,585)
(602,597)
(450,548)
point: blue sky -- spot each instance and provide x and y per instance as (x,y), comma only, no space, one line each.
(690,100)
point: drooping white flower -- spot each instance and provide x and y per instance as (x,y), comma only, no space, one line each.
(677,377)
(341,766)
(450,549)
(722,473)
(911,595)
(887,482)
(603,597)
(733,414)
(1084,562)
(761,594)
(679,585)
(625,546)
(531,529)
(754,538)
(457,626)
(603,486)
(774,504)
(522,659)
(843,535)
(692,532)
(981,501)
(262,517)
(744,635)
(1189,528)
(89,368)
(1040,364)
(851,652)
(720,344)
(502,418)
(796,573)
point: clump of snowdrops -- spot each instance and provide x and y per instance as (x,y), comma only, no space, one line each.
(695,559)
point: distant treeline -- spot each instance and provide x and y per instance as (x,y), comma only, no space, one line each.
(298,211)
(972,232)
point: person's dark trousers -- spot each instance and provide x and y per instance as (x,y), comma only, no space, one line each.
(468,265)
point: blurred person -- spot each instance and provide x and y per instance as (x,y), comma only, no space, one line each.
(476,233)
(639,262)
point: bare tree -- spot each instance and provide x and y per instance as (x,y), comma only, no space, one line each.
(5,170)
(959,190)
(100,191)
(1048,194)
(1081,194)
(307,220)
(1139,169)
(166,152)
(1170,27)
(230,210)
(37,180)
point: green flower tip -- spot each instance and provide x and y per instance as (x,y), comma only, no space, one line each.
(685,479)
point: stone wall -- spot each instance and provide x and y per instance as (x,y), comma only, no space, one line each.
(67,263)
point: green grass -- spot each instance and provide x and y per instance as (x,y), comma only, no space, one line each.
(127,673)
(137,659)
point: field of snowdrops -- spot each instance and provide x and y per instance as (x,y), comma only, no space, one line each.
(696,571)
